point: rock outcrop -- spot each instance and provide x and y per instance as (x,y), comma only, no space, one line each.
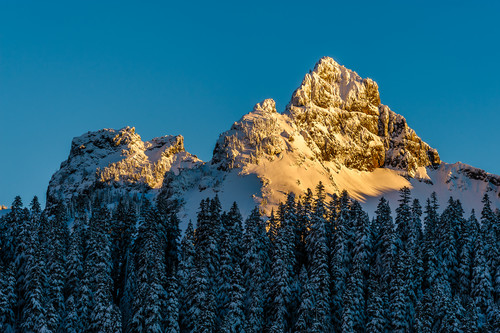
(119,159)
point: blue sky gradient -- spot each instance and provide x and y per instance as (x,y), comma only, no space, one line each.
(193,68)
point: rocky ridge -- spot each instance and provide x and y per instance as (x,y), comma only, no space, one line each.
(118,159)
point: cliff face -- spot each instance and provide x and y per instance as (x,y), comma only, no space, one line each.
(342,117)
(118,158)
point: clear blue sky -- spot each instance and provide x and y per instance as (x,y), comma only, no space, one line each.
(193,68)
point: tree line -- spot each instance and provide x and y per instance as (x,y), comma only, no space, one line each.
(317,264)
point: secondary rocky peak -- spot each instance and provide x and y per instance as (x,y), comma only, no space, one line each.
(118,158)
(267,105)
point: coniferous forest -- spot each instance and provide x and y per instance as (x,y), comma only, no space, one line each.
(319,263)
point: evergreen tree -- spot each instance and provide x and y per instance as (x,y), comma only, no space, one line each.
(122,228)
(186,275)
(102,313)
(234,322)
(8,299)
(282,281)
(317,251)
(150,266)
(490,229)
(341,258)
(172,310)
(481,289)
(305,312)
(34,316)
(256,269)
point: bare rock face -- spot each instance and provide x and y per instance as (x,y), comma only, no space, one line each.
(257,135)
(118,159)
(340,115)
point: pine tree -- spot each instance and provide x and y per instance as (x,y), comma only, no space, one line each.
(490,229)
(481,289)
(430,242)
(122,228)
(186,274)
(150,265)
(224,276)
(282,279)
(399,298)
(305,312)
(172,235)
(376,318)
(234,322)
(129,293)
(102,313)
(172,310)
(256,267)
(75,274)
(383,246)
(341,259)
(56,245)
(451,221)
(317,251)
(8,299)
(34,314)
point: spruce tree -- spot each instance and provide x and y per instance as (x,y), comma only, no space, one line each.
(8,299)
(317,253)
(171,316)
(256,269)
(234,321)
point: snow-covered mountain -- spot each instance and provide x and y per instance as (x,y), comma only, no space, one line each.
(334,130)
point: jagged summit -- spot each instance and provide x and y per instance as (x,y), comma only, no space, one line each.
(331,85)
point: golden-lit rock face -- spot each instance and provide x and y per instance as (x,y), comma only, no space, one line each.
(341,115)
(118,158)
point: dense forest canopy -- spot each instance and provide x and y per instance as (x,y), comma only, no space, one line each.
(319,263)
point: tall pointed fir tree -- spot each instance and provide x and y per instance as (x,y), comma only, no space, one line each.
(8,299)
(171,316)
(103,315)
(281,286)
(224,275)
(360,269)
(430,243)
(341,259)
(381,270)
(149,303)
(304,320)
(122,228)
(490,229)
(235,321)
(482,288)
(34,315)
(56,245)
(185,276)
(317,254)
(256,267)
